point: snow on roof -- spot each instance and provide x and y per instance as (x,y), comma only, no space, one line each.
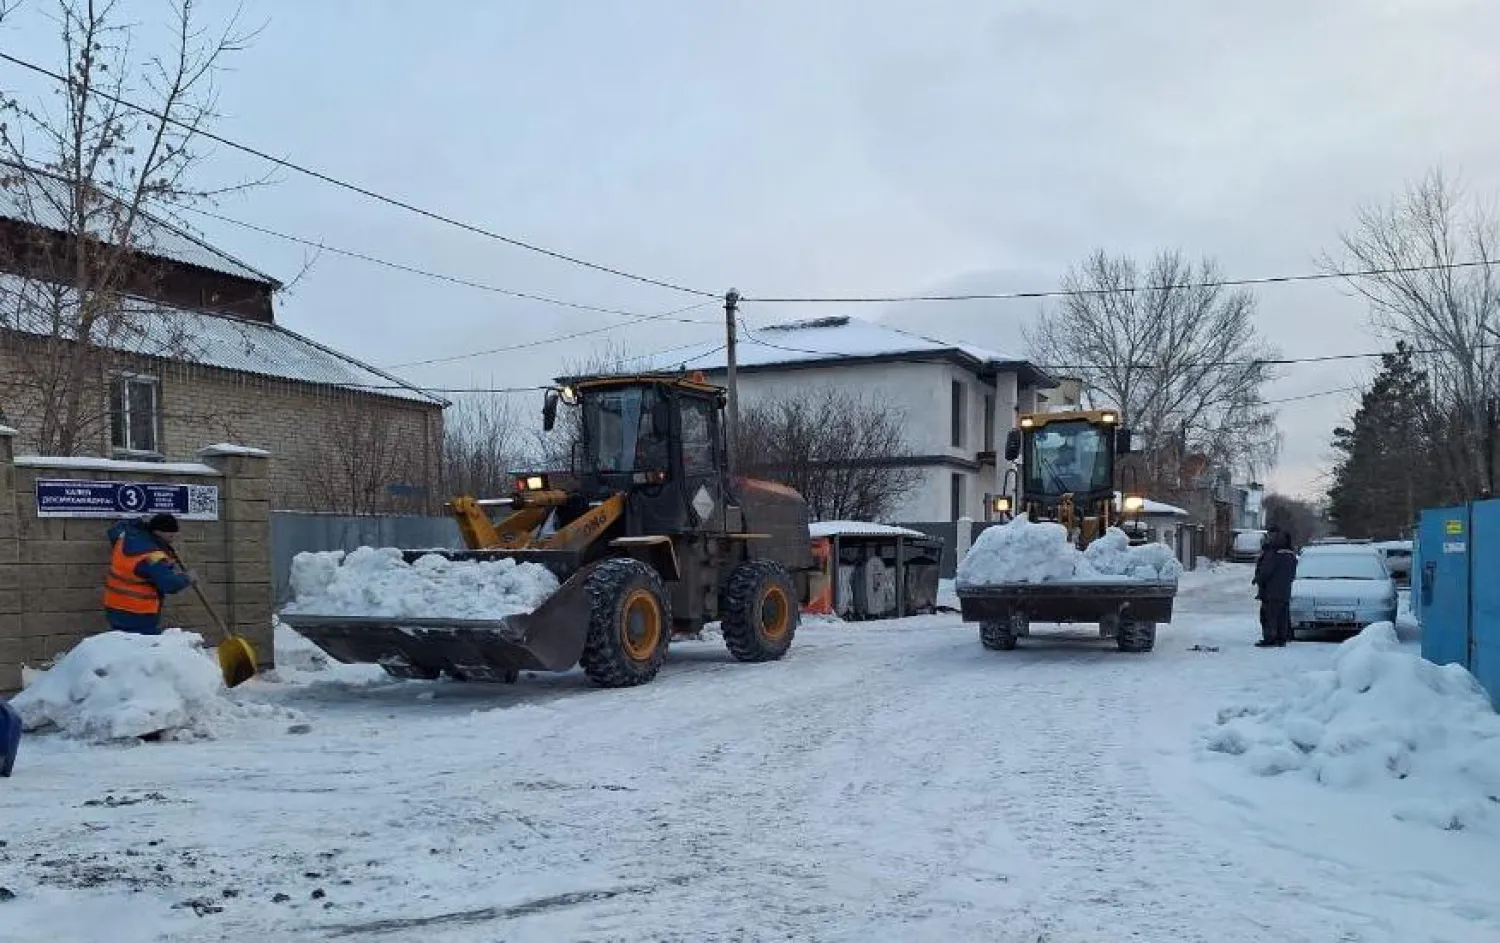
(215,340)
(226,449)
(84,463)
(34,195)
(823,339)
(859,529)
(1157,507)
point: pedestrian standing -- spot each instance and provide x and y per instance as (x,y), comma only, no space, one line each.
(1275,572)
(142,571)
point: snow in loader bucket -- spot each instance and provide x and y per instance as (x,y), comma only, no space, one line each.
(1072,601)
(473,615)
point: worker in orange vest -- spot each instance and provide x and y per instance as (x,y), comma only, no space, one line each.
(143,571)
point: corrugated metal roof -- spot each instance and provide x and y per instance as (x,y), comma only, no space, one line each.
(214,340)
(31,195)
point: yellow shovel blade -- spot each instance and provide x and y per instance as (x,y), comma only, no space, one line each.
(236,661)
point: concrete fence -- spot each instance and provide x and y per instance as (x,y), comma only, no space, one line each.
(54,515)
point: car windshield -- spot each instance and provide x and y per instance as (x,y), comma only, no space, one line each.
(618,432)
(1340,566)
(1067,458)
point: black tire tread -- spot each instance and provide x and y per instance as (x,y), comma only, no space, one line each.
(1136,636)
(604,659)
(737,610)
(997,636)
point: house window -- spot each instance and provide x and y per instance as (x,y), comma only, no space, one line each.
(956,487)
(135,415)
(989,422)
(958,415)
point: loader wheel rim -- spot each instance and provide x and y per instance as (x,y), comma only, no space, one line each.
(775,613)
(640,625)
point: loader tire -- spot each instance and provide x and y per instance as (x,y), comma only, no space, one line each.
(997,636)
(1136,636)
(759,612)
(630,624)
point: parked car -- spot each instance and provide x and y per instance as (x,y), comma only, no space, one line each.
(1342,587)
(1397,557)
(1244,546)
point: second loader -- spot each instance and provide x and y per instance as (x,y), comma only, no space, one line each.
(649,537)
(1067,476)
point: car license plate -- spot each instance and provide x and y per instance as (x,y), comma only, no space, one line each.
(1335,615)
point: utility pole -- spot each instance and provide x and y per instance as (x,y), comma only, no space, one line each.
(731,312)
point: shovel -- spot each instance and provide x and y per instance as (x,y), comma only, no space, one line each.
(236,656)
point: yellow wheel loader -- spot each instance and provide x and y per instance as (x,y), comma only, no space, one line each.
(1068,475)
(649,537)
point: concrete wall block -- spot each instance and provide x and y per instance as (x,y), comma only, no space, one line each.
(10,527)
(251,571)
(30,527)
(45,624)
(10,599)
(254,597)
(251,539)
(10,676)
(250,489)
(40,597)
(10,552)
(65,551)
(244,510)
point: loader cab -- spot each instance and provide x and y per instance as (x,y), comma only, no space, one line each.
(1068,464)
(660,440)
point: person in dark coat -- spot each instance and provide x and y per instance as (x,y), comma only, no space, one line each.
(143,570)
(1275,572)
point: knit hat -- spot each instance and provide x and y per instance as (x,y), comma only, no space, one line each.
(163,524)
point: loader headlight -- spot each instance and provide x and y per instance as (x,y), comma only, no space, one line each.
(1108,418)
(1000,504)
(531,483)
(568,395)
(1134,502)
(1027,423)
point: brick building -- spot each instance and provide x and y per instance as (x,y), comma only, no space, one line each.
(191,353)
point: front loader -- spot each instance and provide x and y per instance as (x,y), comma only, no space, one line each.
(1068,475)
(649,537)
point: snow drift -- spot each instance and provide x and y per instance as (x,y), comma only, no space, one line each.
(119,686)
(1026,552)
(378,582)
(1385,721)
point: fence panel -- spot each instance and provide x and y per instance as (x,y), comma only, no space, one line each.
(293,533)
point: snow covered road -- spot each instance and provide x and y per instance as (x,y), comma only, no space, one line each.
(888,781)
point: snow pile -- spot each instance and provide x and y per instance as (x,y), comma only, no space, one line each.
(377,582)
(1385,721)
(119,685)
(1026,552)
(1113,556)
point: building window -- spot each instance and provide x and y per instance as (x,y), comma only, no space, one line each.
(958,415)
(956,487)
(989,422)
(135,415)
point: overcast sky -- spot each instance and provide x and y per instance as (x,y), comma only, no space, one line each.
(831,146)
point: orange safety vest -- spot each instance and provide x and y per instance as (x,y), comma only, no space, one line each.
(124,591)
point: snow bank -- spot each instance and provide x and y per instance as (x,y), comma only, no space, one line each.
(1026,552)
(118,685)
(377,582)
(1385,721)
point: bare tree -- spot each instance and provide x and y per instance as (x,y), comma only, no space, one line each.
(364,462)
(1178,355)
(90,182)
(1424,289)
(481,446)
(1299,519)
(842,452)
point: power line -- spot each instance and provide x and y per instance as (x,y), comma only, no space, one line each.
(1306,396)
(452,279)
(515,389)
(558,338)
(356,188)
(1264,361)
(1129,289)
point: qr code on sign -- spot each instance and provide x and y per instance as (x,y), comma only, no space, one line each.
(203,500)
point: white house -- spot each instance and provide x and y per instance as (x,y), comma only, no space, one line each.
(959,400)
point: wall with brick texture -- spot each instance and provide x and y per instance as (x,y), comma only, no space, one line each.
(312,429)
(52,569)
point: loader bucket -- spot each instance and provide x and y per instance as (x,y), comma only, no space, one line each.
(549,638)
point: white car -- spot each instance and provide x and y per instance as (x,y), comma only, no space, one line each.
(1397,557)
(1343,587)
(1245,547)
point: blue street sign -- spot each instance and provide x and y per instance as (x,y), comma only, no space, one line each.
(69,498)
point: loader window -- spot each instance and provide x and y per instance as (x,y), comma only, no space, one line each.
(612,425)
(697,436)
(1068,458)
